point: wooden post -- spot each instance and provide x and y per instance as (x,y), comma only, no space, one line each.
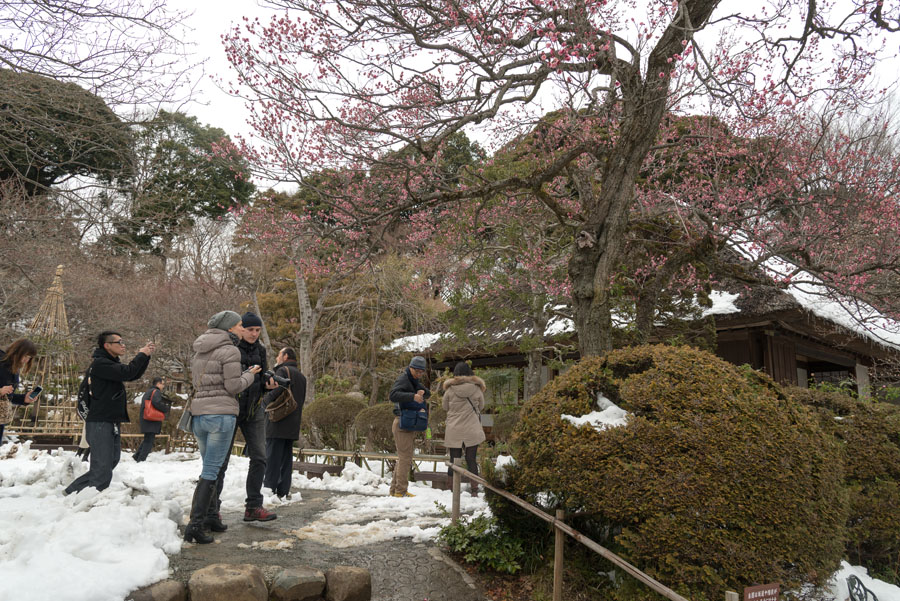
(731,596)
(558,549)
(454,512)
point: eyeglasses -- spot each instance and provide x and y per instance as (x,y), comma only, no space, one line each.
(119,341)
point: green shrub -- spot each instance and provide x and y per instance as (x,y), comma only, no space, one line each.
(504,425)
(332,418)
(870,435)
(482,542)
(718,481)
(375,424)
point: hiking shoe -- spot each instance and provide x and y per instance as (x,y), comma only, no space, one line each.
(402,494)
(258,514)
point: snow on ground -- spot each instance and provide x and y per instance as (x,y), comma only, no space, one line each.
(103,545)
(95,546)
(99,546)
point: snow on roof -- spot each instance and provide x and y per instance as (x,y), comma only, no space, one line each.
(814,296)
(722,303)
(412,344)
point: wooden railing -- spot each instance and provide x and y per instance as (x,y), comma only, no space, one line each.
(560,529)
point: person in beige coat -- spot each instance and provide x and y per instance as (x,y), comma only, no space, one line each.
(218,379)
(463,401)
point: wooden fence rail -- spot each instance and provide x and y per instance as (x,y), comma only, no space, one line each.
(560,528)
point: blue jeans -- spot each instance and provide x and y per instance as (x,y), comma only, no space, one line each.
(106,448)
(213,434)
(254,430)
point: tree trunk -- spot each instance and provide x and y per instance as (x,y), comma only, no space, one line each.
(306,334)
(599,242)
(265,332)
(533,373)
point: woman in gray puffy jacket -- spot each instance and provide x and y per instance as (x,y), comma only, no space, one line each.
(218,379)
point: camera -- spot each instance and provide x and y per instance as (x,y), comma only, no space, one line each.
(283,382)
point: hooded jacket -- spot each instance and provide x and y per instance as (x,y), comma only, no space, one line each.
(108,376)
(463,400)
(217,375)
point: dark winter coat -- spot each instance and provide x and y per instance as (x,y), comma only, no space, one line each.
(289,427)
(252,354)
(156,398)
(109,402)
(404,390)
(8,378)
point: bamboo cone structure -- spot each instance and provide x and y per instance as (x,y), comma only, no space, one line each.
(53,368)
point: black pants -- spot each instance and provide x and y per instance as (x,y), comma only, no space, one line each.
(106,448)
(279,465)
(471,464)
(254,431)
(146,447)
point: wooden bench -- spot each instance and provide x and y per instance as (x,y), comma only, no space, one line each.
(315,470)
(45,446)
(439,480)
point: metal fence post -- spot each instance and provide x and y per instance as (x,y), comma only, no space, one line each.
(454,512)
(559,539)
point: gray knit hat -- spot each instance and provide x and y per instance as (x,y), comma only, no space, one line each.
(418,363)
(224,320)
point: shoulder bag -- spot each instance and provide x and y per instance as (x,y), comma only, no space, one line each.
(283,405)
(151,413)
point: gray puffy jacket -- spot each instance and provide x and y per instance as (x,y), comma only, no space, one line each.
(217,375)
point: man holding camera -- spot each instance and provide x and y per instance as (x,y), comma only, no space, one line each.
(252,423)
(108,407)
(408,392)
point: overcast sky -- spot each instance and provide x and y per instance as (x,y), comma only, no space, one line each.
(210,20)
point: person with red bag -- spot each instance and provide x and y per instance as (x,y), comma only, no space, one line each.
(154,409)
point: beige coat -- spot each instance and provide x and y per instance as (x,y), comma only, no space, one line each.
(463,424)
(217,375)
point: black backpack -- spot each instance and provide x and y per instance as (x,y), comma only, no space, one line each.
(83,400)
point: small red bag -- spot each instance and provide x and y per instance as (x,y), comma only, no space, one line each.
(151,413)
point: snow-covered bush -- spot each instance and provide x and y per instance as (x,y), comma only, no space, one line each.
(715,481)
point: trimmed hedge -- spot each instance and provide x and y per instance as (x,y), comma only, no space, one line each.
(332,417)
(718,481)
(870,436)
(375,424)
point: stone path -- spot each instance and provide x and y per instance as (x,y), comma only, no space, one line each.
(401,569)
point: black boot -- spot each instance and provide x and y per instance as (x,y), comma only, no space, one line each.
(195,530)
(213,519)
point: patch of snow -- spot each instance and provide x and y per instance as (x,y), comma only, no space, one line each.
(722,303)
(412,344)
(609,416)
(811,293)
(838,584)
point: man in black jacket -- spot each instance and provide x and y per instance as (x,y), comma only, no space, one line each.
(408,392)
(280,435)
(108,408)
(252,423)
(149,428)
